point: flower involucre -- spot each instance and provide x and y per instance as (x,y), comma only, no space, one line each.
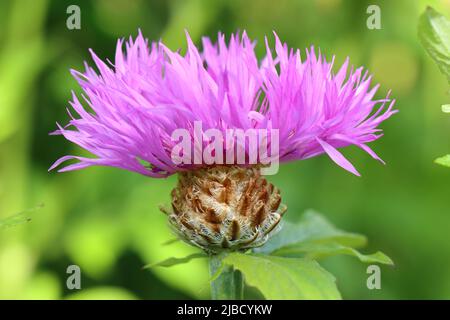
(225,207)
(130,109)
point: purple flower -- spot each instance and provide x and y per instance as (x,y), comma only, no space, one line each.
(130,109)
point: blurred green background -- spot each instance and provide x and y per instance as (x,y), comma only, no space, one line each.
(107,220)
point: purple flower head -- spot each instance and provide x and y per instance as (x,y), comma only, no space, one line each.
(130,108)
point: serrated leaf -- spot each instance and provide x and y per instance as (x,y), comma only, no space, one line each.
(444,161)
(320,250)
(285,278)
(175,261)
(434,34)
(312,227)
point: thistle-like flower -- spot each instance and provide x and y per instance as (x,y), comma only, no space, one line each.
(150,92)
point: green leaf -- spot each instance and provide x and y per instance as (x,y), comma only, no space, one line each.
(434,33)
(314,237)
(320,250)
(285,278)
(19,218)
(175,261)
(445,160)
(14,220)
(226,283)
(312,226)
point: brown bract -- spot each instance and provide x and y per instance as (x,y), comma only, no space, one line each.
(225,208)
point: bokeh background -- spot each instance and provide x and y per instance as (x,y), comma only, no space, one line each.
(107,221)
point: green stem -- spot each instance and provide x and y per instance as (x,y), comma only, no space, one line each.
(229,284)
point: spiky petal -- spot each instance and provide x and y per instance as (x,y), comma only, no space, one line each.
(129,111)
